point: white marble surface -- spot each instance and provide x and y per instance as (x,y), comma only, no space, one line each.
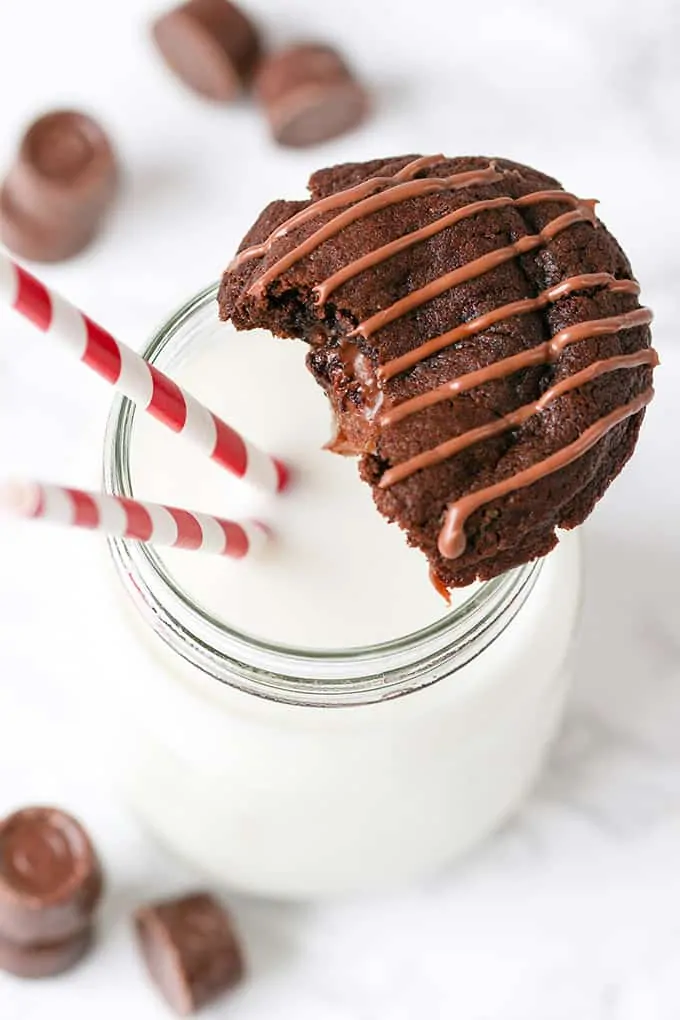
(571,913)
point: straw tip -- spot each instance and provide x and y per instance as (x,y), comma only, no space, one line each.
(260,536)
(22,499)
(283,475)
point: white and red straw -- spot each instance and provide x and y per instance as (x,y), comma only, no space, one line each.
(143,383)
(128,518)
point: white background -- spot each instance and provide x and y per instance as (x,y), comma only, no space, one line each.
(571,913)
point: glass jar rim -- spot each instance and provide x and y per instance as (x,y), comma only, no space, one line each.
(273,671)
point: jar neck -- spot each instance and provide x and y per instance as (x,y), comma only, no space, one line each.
(295,676)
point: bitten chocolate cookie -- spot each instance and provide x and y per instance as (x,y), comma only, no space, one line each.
(479,334)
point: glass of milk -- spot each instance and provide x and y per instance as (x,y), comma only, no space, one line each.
(317,721)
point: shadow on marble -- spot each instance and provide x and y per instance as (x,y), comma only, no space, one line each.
(626,659)
(391,94)
(157,185)
(617,760)
(273,932)
(614,771)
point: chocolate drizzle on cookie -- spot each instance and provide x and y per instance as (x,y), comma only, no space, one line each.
(338,200)
(378,193)
(399,192)
(452,536)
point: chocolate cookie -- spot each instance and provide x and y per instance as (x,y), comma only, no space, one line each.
(479,334)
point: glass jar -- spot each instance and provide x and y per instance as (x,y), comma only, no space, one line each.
(292,773)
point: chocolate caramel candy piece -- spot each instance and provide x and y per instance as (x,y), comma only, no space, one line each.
(59,189)
(50,878)
(309,95)
(46,960)
(211,45)
(190,950)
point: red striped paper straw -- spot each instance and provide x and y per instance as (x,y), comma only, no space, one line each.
(129,518)
(143,383)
